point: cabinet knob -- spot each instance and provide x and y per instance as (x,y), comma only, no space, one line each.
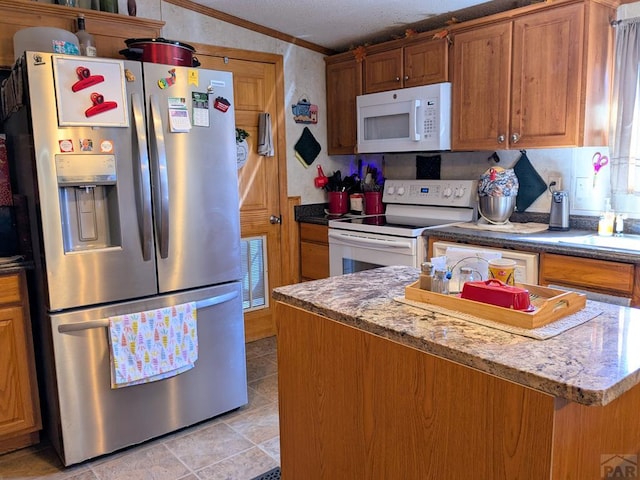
(406,77)
(515,137)
(500,139)
(397,79)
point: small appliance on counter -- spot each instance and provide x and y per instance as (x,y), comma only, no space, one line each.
(497,192)
(559,214)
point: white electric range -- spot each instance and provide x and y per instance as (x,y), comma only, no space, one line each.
(395,237)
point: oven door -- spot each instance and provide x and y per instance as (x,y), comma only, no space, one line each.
(351,252)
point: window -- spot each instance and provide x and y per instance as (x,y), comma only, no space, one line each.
(254,273)
(625,118)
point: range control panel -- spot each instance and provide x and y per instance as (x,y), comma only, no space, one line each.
(449,193)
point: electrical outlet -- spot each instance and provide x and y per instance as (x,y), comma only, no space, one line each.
(558,180)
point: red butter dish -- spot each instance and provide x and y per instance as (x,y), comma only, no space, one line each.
(497,293)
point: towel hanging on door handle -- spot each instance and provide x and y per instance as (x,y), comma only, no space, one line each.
(152,345)
(265,138)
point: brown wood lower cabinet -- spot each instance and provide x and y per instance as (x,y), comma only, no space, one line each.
(603,276)
(354,405)
(314,251)
(19,406)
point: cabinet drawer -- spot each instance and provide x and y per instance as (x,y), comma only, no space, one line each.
(313,232)
(587,273)
(9,289)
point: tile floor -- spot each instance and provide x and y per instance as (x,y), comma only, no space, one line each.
(239,445)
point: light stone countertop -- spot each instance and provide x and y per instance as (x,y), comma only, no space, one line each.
(536,242)
(591,364)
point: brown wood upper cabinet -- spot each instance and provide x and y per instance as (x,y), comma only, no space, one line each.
(419,63)
(344,84)
(110,30)
(539,79)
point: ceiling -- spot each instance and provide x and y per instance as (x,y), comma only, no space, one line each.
(339,25)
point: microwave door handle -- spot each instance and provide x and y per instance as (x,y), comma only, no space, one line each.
(159,157)
(144,188)
(415,105)
(413,118)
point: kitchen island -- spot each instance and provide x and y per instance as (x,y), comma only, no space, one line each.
(373,388)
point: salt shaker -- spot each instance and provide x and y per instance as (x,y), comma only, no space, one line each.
(440,282)
(467,274)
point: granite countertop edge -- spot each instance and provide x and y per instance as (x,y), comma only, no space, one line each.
(534,242)
(473,351)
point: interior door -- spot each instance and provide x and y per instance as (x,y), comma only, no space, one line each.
(254,93)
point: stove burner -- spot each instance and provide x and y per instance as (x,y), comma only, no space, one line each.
(393,221)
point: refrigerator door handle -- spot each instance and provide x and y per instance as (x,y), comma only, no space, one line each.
(160,176)
(217,300)
(104,322)
(143,172)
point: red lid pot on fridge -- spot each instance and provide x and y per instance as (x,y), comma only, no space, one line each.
(160,50)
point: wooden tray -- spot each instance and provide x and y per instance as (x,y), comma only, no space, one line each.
(550,304)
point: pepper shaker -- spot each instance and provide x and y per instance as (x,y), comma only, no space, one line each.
(426,275)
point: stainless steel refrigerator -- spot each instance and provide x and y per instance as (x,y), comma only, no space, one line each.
(130,174)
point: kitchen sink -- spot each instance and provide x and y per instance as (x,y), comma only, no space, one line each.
(624,242)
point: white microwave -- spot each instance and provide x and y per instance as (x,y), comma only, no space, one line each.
(405,120)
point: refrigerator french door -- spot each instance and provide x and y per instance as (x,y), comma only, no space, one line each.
(130,174)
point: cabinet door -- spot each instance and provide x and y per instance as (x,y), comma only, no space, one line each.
(314,251)
(383,71)
(19,409)
(481,72)
(344,83)
(426,62)
(545,83)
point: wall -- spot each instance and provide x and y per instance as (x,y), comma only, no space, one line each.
(572,165)
(304,75)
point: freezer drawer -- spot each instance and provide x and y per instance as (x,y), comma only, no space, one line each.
(92,419)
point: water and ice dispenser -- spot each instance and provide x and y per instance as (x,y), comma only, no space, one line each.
(87,186)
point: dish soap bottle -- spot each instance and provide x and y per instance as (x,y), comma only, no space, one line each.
(607,219)
(85,39)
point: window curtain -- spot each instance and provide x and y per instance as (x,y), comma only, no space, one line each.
(625,138)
